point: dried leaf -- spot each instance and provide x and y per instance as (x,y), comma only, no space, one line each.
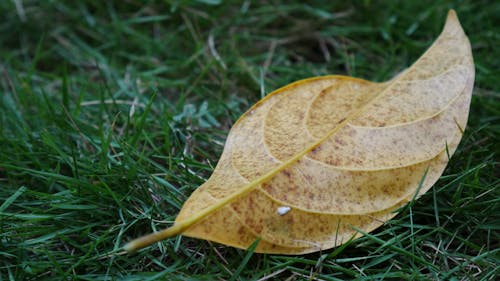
(320,157)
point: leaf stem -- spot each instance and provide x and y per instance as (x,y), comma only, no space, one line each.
(151,238)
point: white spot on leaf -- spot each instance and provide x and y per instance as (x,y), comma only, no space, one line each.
(283,210)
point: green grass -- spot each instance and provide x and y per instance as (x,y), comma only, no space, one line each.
(113,112)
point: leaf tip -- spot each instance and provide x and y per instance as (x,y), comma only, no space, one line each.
(452,14)
(452,18)
(452,26)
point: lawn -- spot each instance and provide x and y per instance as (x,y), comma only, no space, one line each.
(113,112)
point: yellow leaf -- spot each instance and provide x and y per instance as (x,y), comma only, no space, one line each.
(315,160)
